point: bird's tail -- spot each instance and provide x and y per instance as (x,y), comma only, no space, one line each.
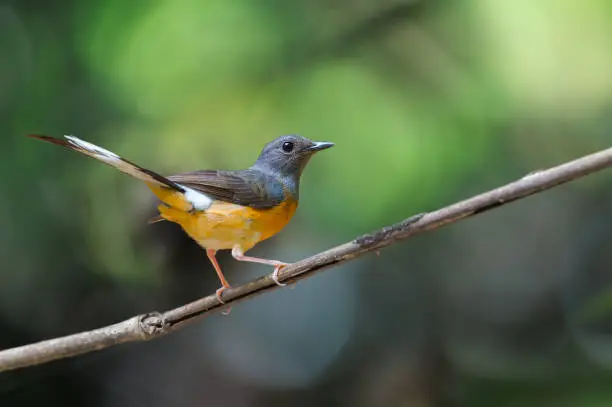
(172,194)
(112,159)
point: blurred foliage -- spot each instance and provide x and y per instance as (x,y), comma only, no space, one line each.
(428,102)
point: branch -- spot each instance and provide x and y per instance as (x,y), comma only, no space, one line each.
(153,325)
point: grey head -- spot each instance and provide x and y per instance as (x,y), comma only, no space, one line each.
(287,156)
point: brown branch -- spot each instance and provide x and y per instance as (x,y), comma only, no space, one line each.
(153,325)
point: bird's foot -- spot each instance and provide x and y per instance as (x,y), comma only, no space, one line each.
(277,268)
(220,299)
(219,292)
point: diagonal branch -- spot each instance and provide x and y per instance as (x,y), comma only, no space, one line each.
(152,325)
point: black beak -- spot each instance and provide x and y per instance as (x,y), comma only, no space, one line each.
(320,145)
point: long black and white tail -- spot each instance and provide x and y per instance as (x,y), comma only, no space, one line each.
(198,201)
(112,159)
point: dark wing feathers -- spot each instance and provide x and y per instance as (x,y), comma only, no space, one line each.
(244,187)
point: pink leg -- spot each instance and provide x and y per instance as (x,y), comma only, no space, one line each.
(224,284)
(238,254)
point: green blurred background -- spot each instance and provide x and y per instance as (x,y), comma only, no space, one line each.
(428,102)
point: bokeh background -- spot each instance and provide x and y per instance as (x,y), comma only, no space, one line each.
(429,102)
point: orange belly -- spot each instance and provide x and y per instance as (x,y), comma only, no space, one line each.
(225,225)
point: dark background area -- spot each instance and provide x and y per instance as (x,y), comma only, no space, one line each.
(428,102)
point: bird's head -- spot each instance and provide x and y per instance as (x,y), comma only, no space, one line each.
(288,155)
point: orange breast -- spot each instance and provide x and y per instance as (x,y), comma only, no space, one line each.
(225,225)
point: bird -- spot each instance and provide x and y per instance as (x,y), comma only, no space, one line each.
(223,209)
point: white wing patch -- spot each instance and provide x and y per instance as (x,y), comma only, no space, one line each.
(198,200)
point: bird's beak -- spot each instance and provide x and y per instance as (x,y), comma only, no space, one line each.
(320,145)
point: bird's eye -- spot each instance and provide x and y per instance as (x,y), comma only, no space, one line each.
(287,146)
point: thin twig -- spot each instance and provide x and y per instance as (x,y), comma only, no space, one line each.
(153,325)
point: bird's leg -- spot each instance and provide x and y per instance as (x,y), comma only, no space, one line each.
(224,284)
(238,254)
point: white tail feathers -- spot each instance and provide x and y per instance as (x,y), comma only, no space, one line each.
(112,159)
(92,150)
(198,200)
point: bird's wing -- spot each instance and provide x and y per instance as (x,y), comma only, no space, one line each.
(244,187)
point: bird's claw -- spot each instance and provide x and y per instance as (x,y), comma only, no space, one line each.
(218,294)
(220,299)
(278,268)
